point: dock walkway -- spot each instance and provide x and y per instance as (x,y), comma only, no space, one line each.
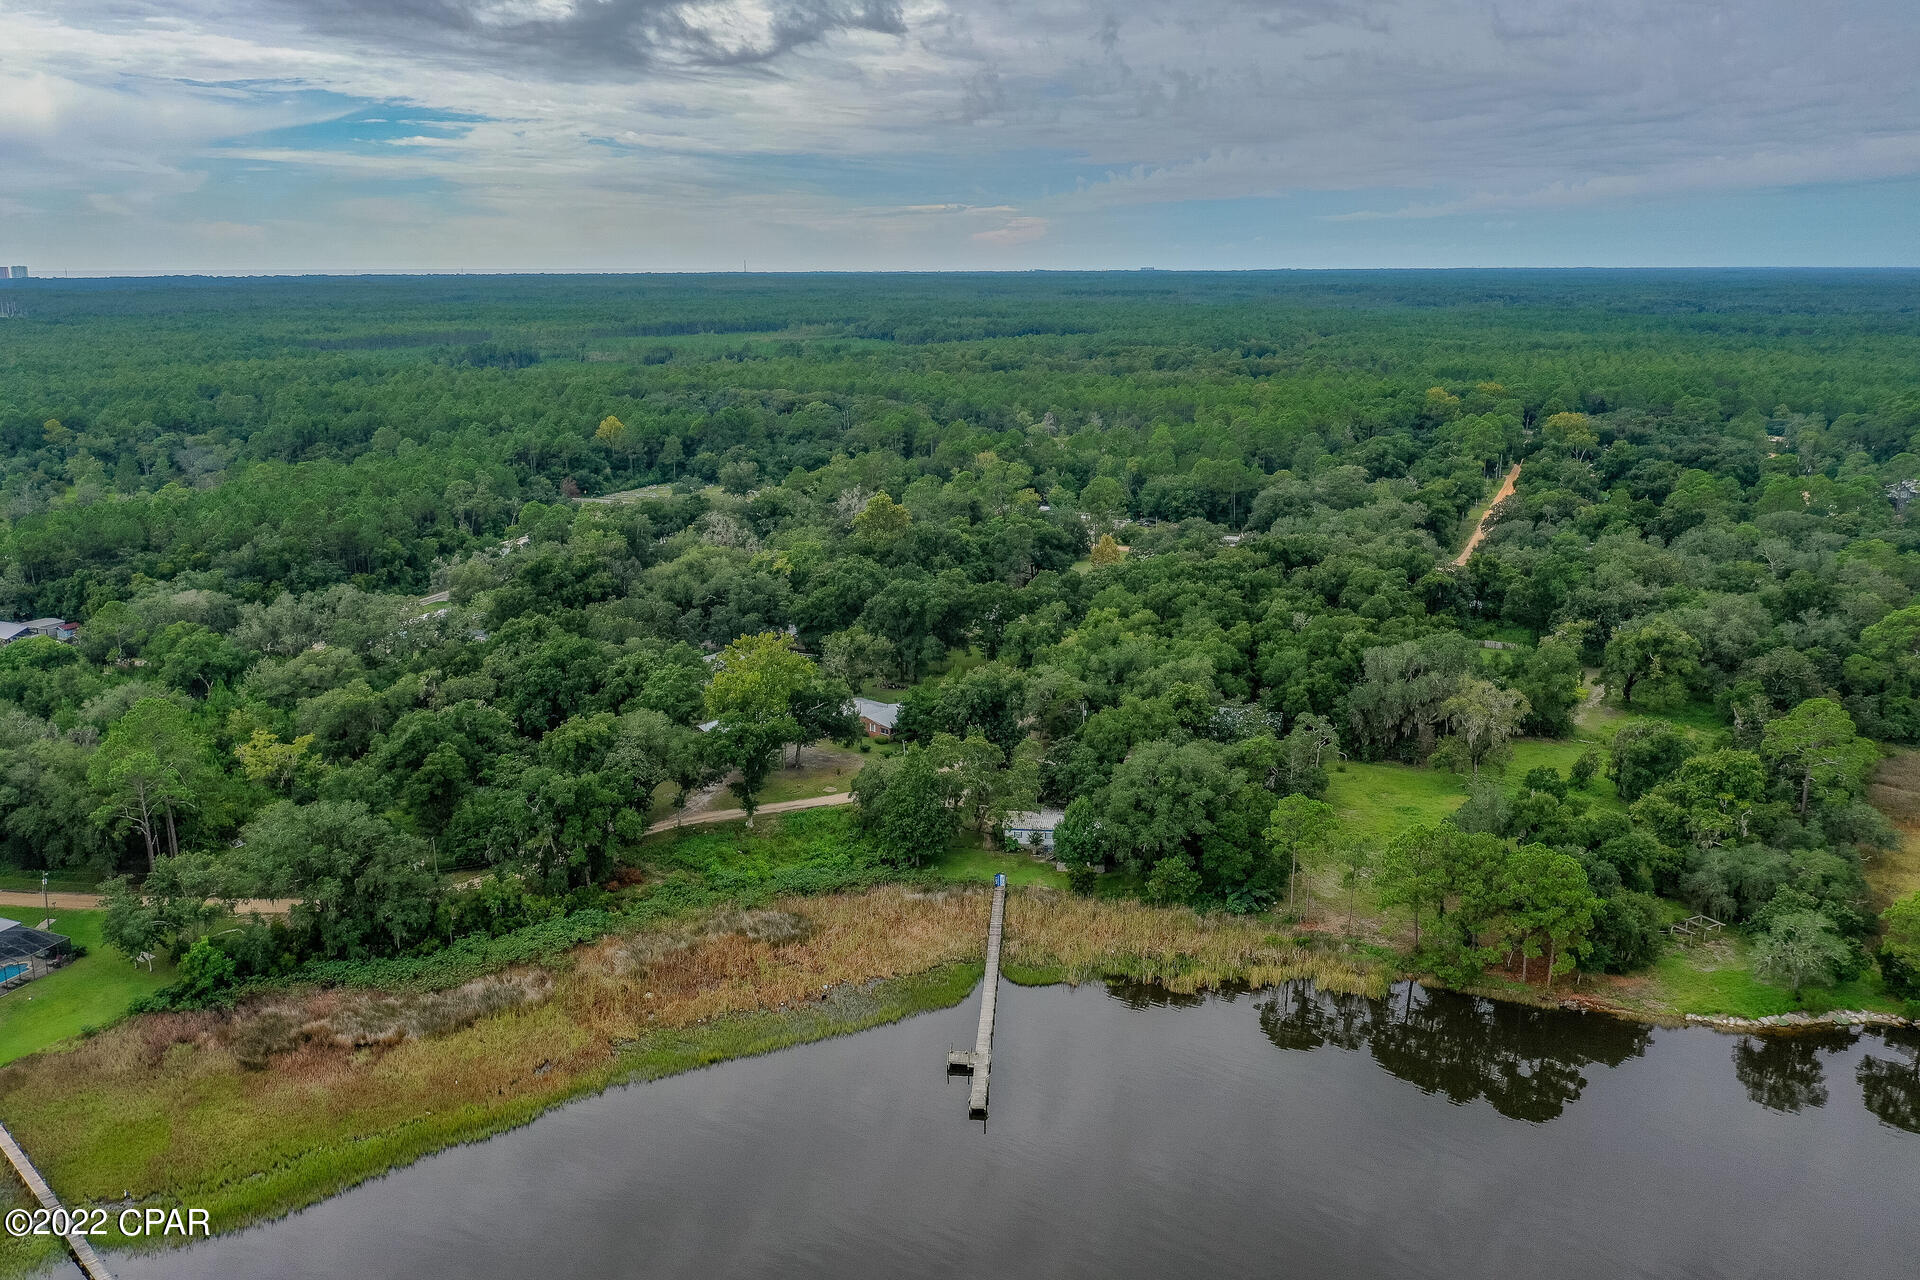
(980,1060)
(78,1245)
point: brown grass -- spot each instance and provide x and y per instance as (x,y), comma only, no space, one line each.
(1895,791)
(288,1100)
(1085,937)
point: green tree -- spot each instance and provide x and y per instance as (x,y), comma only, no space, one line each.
(856,655)
(571,826)
(1548,677)
(1413,873)
(1548,903)
(1900,945)
(882,522)
(1572,432)
(617,436)
(280,765)
(1644,755)
(1652,651)
(905,806)
(1304,753)
(986,784)
(149,766)
(1104,498)
(1713,799)
(1801,949)
(1457,876)
(1815,750)
(359,886)
(176,903)
(1484,718)
(752,697)
(194,658)
(1357,860)
(1173,882)
(206,976)
(1399,700)
(1298,831)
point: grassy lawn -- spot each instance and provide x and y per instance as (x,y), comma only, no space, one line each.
(15,881)
(1380,800)
(974,865)
(1535,753)
(826,769)
(955,663)
(1606,719)
(90,992)
(1716,979)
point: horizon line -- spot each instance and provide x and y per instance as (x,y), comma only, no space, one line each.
(523,272)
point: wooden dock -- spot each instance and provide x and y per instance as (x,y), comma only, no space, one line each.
(78,1245)
(980,1060)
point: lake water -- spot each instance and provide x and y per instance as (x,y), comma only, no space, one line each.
(1271,1134)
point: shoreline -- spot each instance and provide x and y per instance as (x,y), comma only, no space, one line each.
(1053,939)
(186,1110)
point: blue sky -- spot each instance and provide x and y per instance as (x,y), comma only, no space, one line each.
(316,135)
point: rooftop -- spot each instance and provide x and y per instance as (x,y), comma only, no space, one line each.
(881,713)
(18,942)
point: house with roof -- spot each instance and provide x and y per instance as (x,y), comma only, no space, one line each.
(52,628)
(1034,829)
(26,954)
(876,717)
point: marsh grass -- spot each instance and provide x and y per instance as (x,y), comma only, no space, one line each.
(1088,938)
(298,1095)
(24,1255)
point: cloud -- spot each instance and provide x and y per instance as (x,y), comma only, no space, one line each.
(576,38)
(1014,231)
(815,129)
(1865,160)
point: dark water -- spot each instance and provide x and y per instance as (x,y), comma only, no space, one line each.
(1277,1134)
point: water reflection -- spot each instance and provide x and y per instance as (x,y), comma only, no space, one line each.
(1151,995)
(1176,1141)
(1890,1086)
(1783,1072)
(1530,1064)
(1527,1063)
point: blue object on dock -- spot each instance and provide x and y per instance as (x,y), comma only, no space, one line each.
(999,879)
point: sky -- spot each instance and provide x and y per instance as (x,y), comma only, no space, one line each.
(232,136)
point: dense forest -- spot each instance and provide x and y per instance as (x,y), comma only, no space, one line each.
(1160,550)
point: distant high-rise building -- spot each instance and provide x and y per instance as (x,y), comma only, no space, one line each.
(17,273)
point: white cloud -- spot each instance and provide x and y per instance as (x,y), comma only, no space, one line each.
(809,124)
(1014,231)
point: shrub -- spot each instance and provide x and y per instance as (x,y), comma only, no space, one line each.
(1173,882)
(1547,780)
(1803,949)
(1626,933)
(1900,946)
(206,977)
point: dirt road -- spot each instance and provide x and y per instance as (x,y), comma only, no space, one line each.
(1480,530)
(93,902)
(739,815)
